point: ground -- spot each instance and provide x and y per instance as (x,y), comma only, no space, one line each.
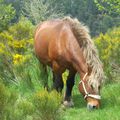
(109,110)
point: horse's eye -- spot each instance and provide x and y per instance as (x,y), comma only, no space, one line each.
(92,87)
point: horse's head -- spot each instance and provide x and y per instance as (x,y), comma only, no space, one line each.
(91,93)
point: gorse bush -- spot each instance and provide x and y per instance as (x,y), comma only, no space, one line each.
(22,110)
(22,30)
(18,64)
(3,100)
(109,51)
(7,102)
(47,105)
(16,107)
(38,106)
(16,49)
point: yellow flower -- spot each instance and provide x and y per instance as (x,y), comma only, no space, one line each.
(18,59)
(1,51)
(18,44)
(30,41)
(2,48)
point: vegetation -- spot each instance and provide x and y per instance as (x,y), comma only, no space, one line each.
(109,52)
(16,49)
(109,6)
(109,106)
(87,11)
(38,106)
(7,13)
(22,96)
(38,10)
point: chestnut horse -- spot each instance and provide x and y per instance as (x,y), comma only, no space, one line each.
(66,44)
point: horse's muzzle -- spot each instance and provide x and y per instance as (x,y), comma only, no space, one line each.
(92,107)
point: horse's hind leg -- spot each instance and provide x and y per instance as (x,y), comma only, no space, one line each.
(57,77)
(44,75)
(57,82)
(69,85)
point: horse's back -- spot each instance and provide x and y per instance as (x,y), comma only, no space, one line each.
(52,43)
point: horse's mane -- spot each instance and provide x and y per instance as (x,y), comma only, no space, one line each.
(90,53)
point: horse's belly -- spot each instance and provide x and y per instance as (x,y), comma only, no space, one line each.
(49,48)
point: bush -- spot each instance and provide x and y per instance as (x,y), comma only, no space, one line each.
(7,13)
(18,64)
(12,106)
(16,49)
(22,110)
(47,105)
(3,100)
(108,46)
(7,102)
(22,30)
(38,106)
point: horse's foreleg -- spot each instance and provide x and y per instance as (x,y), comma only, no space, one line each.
(69,85)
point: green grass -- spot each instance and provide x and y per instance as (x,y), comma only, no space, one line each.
(18,103)
(109,110)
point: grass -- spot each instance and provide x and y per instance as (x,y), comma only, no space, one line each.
(46,105)
(109,110)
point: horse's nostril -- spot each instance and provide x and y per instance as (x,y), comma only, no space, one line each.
(90,107)
(94,107)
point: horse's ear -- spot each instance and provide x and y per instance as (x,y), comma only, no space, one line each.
(89,70)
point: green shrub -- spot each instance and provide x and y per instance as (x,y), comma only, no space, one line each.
(16,47)
(18,64)
(7,13)
(7,101)
(3,100)
(47,105)
(22,110)
(12,106)
(38,106)
(22,30)
(109,52)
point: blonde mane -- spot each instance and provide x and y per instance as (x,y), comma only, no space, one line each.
(90,53)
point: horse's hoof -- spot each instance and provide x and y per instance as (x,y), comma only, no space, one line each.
(68,104)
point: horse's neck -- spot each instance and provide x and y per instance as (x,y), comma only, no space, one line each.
(78,60)
(81,67)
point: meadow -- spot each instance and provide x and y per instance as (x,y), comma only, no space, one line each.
(109,110)
(22,96)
